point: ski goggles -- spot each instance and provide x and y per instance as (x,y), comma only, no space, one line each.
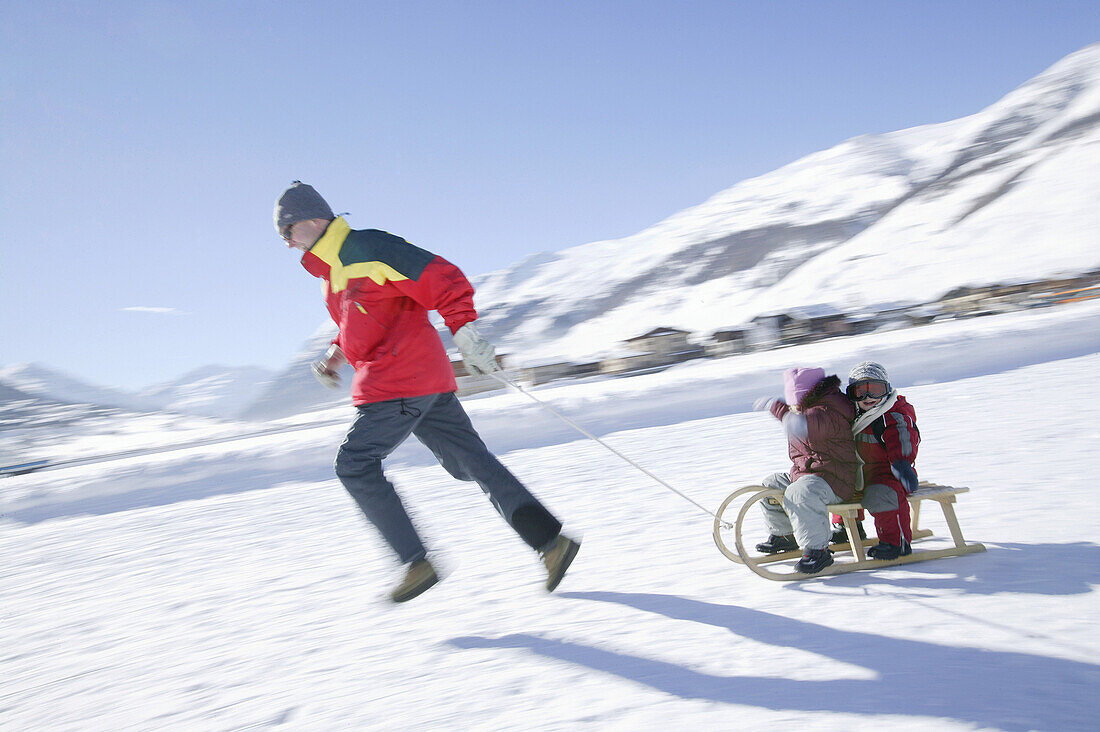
(868,390)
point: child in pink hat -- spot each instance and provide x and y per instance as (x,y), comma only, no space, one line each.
(817,417)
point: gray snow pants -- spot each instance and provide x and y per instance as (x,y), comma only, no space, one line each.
(803,512)
(440,422)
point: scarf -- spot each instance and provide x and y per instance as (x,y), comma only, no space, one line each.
(867,418)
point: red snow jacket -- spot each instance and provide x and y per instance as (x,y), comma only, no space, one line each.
(379,289)
(828,450)
(893,436)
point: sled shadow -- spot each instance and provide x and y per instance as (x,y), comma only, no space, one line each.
(1037,569)
(1006,690)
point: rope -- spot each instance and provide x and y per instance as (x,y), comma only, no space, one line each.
(508,382)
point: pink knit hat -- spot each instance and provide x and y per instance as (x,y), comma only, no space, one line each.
(797,383)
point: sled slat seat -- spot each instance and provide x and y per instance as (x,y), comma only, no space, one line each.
(942,494)
(926,491)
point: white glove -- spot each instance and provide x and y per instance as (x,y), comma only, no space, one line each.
(763,404)
(325,368)
(477,353)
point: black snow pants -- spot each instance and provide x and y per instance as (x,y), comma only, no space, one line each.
(440,422)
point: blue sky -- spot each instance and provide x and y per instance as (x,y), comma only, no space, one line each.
(142,144)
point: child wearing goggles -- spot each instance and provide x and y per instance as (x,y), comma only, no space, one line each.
(886,438)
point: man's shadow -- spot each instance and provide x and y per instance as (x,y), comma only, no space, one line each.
(1006,690)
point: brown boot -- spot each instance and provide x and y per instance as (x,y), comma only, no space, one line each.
(419,577)
(558,558)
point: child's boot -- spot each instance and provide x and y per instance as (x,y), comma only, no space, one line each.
(776,544)
(887,552)
(814,560)
(840,534)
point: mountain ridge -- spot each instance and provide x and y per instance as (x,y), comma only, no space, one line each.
(804,233)
(220,392)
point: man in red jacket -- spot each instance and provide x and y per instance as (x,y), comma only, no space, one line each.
(378,290)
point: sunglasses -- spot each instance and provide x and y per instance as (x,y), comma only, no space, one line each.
(285,233)
(868,390)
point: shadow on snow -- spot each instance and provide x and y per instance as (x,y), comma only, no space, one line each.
(1007,690)
(127,492)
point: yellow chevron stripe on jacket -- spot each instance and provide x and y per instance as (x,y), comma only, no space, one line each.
(327,249)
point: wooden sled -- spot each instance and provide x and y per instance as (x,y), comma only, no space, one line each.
(850,556)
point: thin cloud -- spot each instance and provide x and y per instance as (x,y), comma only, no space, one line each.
(146,309)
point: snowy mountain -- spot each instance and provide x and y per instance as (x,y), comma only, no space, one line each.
(39,381)
(34,426)
(879,219)
(294,390)
(212,391)
(892,218)
(21,411)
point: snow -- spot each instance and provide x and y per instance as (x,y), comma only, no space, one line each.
(235,586)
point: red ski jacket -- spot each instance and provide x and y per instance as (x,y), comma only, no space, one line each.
(893,436)
(379,289)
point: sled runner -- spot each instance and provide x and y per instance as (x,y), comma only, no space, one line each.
(850,556)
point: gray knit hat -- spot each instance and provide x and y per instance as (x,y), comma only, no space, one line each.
(300,203)
(868,371)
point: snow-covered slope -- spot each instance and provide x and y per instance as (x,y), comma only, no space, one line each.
(941,352)
(32,427)
(1018,200)
(1009,194)
(236,586)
